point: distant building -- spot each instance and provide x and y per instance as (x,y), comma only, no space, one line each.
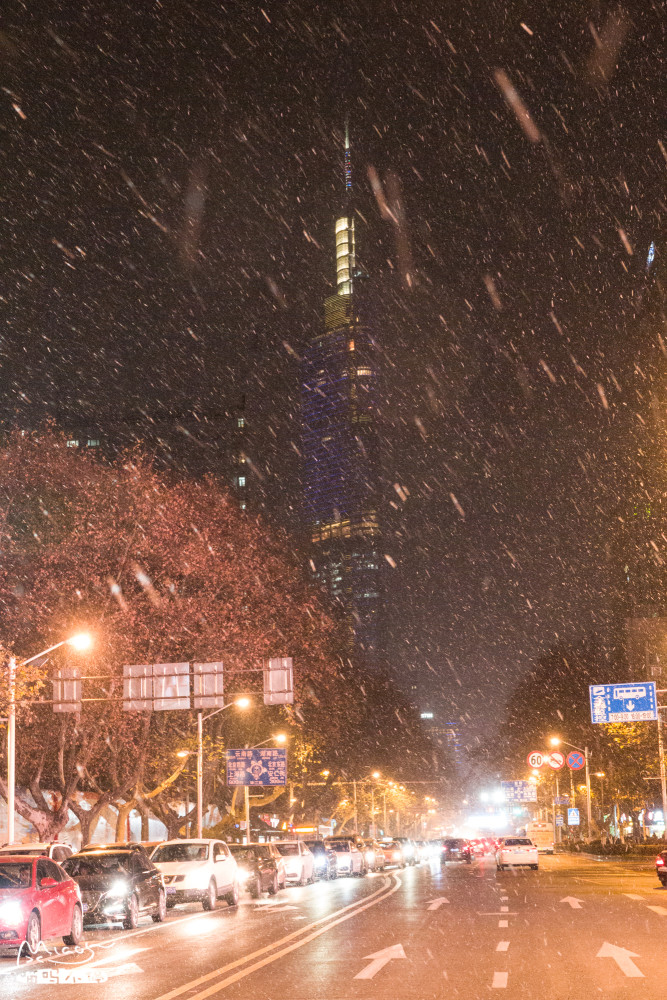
(341,443)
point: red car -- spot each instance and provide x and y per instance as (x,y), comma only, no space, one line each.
(38,900)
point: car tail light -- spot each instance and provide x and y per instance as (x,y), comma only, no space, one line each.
(660,860)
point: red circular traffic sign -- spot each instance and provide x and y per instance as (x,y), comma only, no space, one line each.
(536,759)
(575,760)
(556,760)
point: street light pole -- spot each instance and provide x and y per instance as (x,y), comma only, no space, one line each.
(11,749)
(200,764)
(588,792)
(80,641)
(661,758)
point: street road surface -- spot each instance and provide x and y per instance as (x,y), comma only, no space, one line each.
(576,929)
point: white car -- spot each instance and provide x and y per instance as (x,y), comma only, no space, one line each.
(515,851)
(197,870)
(349,859)
(298,861)
(54,850)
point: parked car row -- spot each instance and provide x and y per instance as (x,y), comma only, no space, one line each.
(48,890)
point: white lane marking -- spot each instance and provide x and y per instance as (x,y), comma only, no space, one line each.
(129,969)
(382,893)
(380,959)
(435,904)
(633,895)
(502,912)
(504,909)
(503,899)
(658,909)
(499,981)
(503,923)
(573,901)
(623,959)
(502,946)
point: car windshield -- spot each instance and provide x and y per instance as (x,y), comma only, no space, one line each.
(287,849)
(316,846)
(341,846)
(244,853)
(517,842)
(454,843)
(81,865)
(15,875)
(179,852)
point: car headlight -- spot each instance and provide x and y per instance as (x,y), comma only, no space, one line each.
(369,855)
(118,889)
(11,911)
(197,879)
(244,873)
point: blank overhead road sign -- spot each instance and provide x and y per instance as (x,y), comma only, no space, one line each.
(556,760)
(623,702)
(575,760)
(535,758)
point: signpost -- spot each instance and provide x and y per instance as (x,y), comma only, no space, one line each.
(536,759)
(265,766)
(573,817)
(519,791)
(556,760)
(633,702)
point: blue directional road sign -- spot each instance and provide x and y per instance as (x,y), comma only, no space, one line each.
(519,791)
(623,702)
(573,817)
(559,819)
(257,767)
(562,800)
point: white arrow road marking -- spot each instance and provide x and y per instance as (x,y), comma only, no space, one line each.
(623,959)
(573,901)
(380,959)
(437,903)
(499,980)
(124,970)
(658,909)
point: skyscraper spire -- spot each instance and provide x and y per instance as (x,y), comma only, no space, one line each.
(345,249)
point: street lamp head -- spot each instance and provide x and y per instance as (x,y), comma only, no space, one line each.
(182,754)
(280,738)
(81,641)
(599,774)
(555,740)
(376,775)
(243,702)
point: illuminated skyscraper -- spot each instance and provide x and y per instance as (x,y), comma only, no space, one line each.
(340,441)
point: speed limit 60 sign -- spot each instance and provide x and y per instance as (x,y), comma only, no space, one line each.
(535,759)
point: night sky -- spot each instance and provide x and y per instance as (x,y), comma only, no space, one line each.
(170,173)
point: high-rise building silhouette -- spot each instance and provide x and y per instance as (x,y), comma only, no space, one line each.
(341,441)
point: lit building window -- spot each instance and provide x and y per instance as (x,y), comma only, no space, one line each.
(240,422)
(243,505)
(73,443)
(241,481)
(350,345)
(364,371)
(93,442)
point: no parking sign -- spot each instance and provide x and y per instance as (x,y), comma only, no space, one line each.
(575,760)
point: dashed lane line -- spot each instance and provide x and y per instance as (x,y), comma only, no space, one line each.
(502,946)
(503,923)
(499,980)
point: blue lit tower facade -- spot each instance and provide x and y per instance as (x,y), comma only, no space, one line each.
(341,443)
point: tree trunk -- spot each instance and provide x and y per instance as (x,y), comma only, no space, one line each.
(124,810)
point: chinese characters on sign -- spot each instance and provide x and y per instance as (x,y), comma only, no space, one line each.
(623,702)
(257,767)
(519,791)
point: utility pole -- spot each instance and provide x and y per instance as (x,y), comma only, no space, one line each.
(200,762)
(661,756)
(588,792)
(356,823)
(11,749)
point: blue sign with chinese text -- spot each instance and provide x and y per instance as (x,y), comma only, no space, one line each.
(573,817)
(267,766)
(623,702)
(519,791)
(559,819)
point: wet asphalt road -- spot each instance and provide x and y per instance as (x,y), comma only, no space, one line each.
(576,929)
